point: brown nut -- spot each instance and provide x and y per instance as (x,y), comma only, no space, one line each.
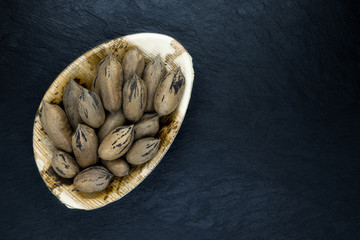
(70,99)
(147,128)
(169,92)
(143,150)
(134,98)
(133,62)
(85,144)
(112,121)
(95,86)
(56,125)
(92,179)
(109,81)
(91,109)
(153,73)
(118,167)
(64,164)
(117,143)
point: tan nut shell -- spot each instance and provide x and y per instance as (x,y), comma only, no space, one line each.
(117,143)
(147,128)
(91,109)
(133,62)
(108,82)
(95,85)
(72,92)
(112,121)
(134,98)
(92,179)
(64,164)
(56,125)
(153,73)
(143,150)
(85,145)
(118,167)
(169,92)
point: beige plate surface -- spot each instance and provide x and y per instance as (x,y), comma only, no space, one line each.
(83,70)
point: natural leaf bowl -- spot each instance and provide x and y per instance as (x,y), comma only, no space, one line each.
(84,70)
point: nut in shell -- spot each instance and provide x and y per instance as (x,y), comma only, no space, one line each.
(109,82)
(95,86)
(134,98)
(147,128)
(169,92)
(112,121)
(133,63)
(117,143)
(118,167)
(85,144)
(91,109)
(64,164)
(71,95)
(153,73)
(92,179)
(143,150)
(56,125)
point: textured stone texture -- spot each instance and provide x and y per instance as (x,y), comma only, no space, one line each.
(269,148)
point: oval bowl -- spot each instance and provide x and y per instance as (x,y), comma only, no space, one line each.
(83,70)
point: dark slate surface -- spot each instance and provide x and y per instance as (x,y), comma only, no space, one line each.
(270,146)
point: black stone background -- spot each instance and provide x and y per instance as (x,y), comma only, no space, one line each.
(270,145)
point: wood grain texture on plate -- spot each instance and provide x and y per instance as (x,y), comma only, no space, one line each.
(83,70)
